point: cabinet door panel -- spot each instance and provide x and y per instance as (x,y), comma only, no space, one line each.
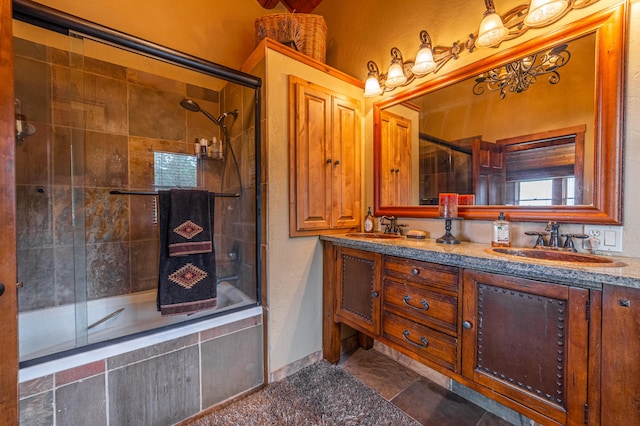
(346,163)
(358,290)
(312,158)
(396,160)
(528,341)
(620,355)
(403,170)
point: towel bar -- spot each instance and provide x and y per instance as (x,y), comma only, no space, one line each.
(215,194)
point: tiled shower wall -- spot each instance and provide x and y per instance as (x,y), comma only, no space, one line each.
(157,385)
(111,119)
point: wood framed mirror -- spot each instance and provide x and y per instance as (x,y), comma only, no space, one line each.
(470,132)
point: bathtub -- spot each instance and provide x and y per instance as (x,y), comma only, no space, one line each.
(51,330)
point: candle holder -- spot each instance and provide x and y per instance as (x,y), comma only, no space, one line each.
(448,237)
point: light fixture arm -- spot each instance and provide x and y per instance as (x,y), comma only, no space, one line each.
(396,54)
(425,39)
(373,68)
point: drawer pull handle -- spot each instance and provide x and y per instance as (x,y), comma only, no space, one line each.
(424,343)
(424,303)
(415,271)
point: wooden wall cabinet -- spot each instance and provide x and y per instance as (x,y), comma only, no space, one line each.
(324,160)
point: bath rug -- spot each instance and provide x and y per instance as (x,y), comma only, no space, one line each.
(186,283)
(321,394)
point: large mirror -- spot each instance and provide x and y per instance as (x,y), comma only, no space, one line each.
(534,131)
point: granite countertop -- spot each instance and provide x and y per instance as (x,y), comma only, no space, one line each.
(474,256)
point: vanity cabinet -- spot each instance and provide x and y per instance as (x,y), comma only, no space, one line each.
(527,344)
(324,159)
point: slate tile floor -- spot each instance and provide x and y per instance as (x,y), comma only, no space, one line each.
(425,401)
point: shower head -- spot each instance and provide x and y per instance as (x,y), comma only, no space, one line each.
(192,106)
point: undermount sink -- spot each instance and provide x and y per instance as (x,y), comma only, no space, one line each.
(374,235)
(555,256)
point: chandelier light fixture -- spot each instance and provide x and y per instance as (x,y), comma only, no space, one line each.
(517,76)
(493,30)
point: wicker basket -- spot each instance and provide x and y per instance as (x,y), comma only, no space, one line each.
(303,31)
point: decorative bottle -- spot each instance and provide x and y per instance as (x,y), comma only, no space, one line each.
(501,232)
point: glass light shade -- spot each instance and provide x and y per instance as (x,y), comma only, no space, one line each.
(542,12)
(372,87)
(424,61)
(395,76)
(492,31)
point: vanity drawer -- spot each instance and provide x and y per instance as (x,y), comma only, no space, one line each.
(430,308)
(416,271)
(423,341)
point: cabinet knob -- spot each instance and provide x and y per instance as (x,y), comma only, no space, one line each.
(415,271)
(329,161)
(1,289)
(336,162)
(375,294)
(466,325)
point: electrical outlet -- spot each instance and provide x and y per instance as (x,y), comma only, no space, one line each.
(610,237)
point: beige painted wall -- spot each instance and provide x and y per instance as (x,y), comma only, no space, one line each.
(216,30)
(294,265)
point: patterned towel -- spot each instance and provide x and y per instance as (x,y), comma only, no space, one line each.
(190,222)
(187,282)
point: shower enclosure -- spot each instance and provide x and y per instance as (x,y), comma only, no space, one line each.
(105,122)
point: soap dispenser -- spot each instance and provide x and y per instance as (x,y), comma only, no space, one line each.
(369,222)
(501,232)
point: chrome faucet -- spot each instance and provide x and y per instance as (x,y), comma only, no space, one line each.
(392,226)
